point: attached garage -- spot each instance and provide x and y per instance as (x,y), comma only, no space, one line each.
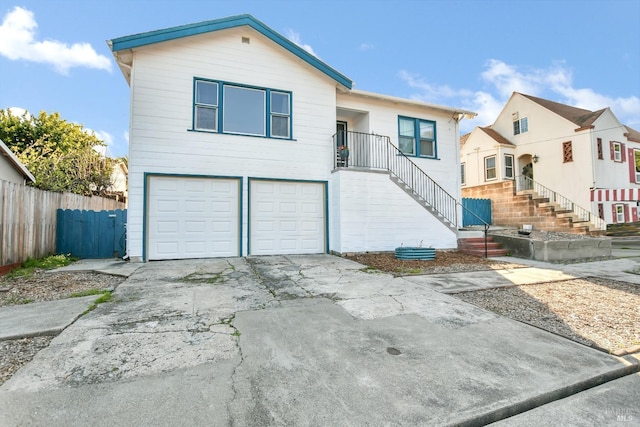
(192,217)
(287,217)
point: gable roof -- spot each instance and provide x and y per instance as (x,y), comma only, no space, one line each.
(632,134)
(143,39)
(18,166)
(578,116)
(496,136)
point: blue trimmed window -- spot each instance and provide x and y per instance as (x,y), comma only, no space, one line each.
(244,110)
(417,137)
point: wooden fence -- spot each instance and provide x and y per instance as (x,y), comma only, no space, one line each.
(28,219)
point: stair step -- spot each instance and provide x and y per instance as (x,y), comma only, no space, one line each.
(490,252)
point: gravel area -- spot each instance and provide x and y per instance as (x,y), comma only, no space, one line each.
(543,235)
(41,286)
(596,312)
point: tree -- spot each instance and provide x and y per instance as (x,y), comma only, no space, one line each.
(59,154)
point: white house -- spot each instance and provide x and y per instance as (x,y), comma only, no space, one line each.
(586,157)
(236,148)
(11,169)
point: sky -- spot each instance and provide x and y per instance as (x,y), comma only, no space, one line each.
(469,54)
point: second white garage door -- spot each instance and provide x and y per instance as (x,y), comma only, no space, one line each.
(286,217)
(193,217)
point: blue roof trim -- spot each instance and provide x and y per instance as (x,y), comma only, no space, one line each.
(151,37)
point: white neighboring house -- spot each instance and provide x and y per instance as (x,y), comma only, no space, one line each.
(11,169)
(588,157)
(236,148)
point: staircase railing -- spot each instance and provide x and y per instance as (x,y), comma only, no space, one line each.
(524,183)
(356,149)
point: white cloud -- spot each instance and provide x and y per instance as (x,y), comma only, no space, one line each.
(295,37)
(18,42)
(103,136)
(501,79)
(366,46)
(18,112)
(125,135)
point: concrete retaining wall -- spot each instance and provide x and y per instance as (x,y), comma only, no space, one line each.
(554,250)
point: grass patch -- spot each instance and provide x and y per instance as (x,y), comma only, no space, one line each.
(369,269)
(45,263)
(87,293)
(17,300)
(106,297)
(409,270)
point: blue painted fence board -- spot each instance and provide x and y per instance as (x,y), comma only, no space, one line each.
(91,234)
(480,207)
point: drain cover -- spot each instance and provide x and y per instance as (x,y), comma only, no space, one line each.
(393,351)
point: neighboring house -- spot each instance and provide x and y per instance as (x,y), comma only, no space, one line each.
(11,169)
(118,187)
(239,141)
(584,157)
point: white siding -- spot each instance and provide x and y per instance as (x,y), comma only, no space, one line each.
(375,215)
(8,172)
(162,94)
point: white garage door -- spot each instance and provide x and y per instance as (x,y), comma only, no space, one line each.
(193,218)
(287,218)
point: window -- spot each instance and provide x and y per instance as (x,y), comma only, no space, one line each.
(520,126)
(508,166)
(567,152)
(231,108)
(489,168)
(619,210)
(599,145)
(600,210)
(616,151)
(425,143)
(636,158)
(462,174)
(206,108)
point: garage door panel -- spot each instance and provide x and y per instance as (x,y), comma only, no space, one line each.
(193,217)
(287,217)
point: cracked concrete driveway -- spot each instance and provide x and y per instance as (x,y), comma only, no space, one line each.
(296,340)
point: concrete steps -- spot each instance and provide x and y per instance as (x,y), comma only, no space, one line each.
(476,246)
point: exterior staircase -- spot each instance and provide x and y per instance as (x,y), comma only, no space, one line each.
(476,246)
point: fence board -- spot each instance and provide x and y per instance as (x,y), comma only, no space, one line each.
(28,219)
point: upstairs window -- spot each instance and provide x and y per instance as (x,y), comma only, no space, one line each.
(636,165)
(520,126)
(616,151)
(508,166)
(489,168)
(417,137)
(231,108)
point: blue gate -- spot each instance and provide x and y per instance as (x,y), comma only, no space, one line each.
(91,234)
(475,210)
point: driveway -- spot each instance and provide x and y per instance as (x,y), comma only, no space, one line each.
(308,340)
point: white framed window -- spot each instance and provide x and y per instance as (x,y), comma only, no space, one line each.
(520,126)
(508,166)
(636,159)
(225,107)
(463,178)
(490,168)
(417,137)
(619,209)
(617,151)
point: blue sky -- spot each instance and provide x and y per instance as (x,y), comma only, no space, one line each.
(469,54)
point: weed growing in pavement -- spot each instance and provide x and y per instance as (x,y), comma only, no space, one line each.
(409,270)
(45,263)
(202,277)
(87,293)
(369,269)
(106,297)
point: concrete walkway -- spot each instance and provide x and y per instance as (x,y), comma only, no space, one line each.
(316,340)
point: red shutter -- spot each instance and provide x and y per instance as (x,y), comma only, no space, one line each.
(632,166)
(611,150)
(624,153)
(634,214)
(626,212)
(614,213)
